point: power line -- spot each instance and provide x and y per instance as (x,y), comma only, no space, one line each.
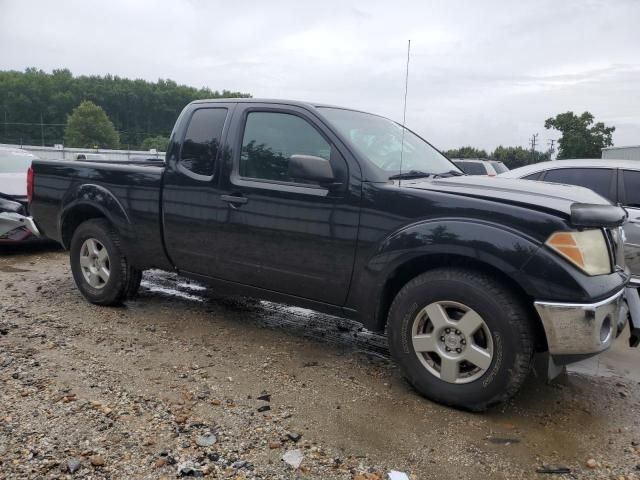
(41,130)
(35,123)
(45,124)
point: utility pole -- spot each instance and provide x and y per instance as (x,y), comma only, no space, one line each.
(533,141)
(41,130)
(551,149)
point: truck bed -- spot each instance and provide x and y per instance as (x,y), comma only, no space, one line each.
(127,193)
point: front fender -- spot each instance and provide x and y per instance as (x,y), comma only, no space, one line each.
(97,197)
(437,243)
(502,247)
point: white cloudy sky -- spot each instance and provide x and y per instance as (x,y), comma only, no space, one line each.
(482,72)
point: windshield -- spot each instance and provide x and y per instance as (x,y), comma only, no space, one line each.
(380,141)
(15,161)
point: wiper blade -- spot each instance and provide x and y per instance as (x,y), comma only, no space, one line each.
(410,174)
(450,173)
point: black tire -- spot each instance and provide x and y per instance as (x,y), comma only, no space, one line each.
(505,317)
(123,281)
(134,283)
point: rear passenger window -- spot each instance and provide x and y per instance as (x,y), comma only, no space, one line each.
(631,179)
(202,140)
(269,140)
(472,168)
(499,167)
(533,176)
(597,179)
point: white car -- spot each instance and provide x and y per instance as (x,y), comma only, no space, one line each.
(478,166)
(616,180)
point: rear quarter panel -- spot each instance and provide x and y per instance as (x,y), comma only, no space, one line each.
(127,195)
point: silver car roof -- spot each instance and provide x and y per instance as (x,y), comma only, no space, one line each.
(474,160)
(572,163)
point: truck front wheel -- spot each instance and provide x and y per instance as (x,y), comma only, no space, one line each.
(461,338)
(100,269)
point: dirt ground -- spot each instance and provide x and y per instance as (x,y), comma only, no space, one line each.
(174,384)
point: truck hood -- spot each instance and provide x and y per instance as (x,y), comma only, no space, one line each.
(582,206)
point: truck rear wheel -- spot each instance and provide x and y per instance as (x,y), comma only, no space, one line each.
(100,269)
(461,338)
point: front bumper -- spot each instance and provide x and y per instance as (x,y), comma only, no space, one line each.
(15,227)
(576,330)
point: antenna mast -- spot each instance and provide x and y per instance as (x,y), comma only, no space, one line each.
(404,112)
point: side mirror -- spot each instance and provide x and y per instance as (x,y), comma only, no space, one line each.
(309,167)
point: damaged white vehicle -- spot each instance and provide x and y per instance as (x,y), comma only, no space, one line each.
(15,223)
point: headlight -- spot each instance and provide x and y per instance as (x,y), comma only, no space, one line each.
(587,250)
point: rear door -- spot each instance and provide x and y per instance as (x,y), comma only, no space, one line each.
(192,209)
(600,180)
(281,234)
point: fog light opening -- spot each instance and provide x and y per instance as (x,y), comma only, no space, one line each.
(606,330)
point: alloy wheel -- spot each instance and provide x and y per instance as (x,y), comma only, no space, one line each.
(94,262)
(452,341)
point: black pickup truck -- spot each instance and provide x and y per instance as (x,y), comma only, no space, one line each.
(349,213)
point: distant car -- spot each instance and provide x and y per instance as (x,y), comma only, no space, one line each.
(473,166)
(15,224)
(90,156)
(616,180)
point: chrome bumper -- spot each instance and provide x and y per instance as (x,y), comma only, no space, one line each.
(582,328)
(10,221)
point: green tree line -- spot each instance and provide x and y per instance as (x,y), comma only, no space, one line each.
(35,105)
(512,157)
(580,138)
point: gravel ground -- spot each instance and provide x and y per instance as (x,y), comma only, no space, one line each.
(180,382)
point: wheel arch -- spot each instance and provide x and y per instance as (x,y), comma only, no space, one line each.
(92,201)
(74,217)
(414,267)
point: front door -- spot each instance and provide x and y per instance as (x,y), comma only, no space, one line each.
(282,234)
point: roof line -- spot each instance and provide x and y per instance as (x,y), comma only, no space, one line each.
(620,148)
